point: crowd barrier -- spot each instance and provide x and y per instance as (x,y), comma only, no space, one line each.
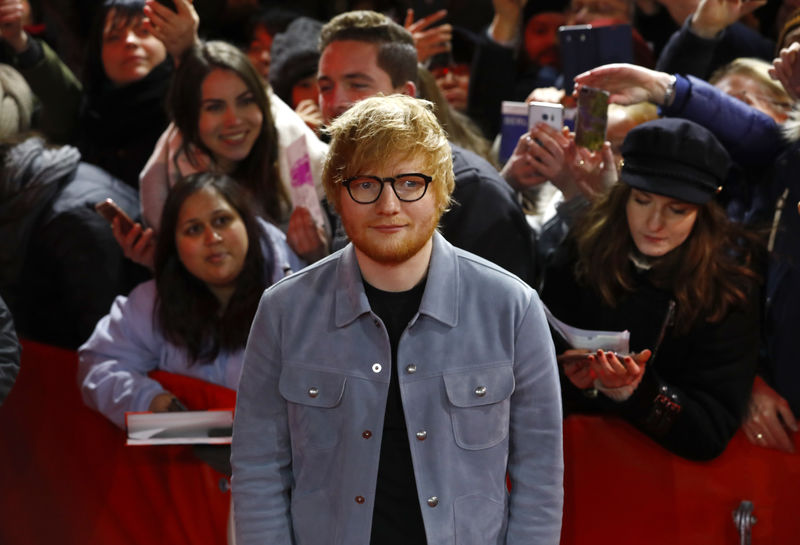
(67,477)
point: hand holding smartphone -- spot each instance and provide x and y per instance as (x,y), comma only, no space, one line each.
(110,210)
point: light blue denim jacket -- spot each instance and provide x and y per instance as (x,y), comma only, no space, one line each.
(480,394)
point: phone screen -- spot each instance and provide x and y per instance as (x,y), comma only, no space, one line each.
(592,117)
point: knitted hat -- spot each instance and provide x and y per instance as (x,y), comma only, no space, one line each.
(294,56)
(676,158)
(16,102)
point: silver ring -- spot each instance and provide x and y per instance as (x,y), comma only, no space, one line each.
(759,436)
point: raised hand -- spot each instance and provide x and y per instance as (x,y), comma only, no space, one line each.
(626,83)
(713,16)
(786,69)
(177,29)
(11,12)
(429,40)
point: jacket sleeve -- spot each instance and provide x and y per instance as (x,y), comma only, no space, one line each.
(536,462)
(114,362)
(485,218)
(693,407)
(752,138)
(9,352)
(261,452)
(689,54)
(56,87)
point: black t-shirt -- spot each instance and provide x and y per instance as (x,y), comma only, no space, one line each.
(397,518)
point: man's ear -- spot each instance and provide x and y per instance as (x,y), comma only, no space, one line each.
(408,88)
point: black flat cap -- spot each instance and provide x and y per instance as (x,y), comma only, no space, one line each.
(676,158)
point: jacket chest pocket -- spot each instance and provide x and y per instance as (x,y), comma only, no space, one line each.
(313,397)
(479,405)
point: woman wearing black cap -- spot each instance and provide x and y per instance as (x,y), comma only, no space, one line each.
(657,256)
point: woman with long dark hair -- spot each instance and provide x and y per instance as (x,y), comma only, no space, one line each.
(223,122)
(656,256)
(214,258)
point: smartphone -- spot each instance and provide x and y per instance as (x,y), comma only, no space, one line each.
(583,47)
(169,3)
(110,210)
(545,112)
(591,118)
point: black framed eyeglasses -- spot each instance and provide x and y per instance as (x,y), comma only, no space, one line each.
(409,187)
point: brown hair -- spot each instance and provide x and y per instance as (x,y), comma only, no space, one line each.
(710,273)
(381,128)
(258,172)
(397,54)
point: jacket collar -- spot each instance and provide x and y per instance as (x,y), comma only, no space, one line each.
(440,300)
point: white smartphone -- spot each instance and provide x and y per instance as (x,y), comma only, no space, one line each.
(545,112)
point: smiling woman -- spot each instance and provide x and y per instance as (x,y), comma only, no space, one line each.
(226,121)
(214,259)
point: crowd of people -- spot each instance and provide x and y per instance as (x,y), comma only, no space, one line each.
(258,145)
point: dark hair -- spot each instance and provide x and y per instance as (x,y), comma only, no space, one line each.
(258,171)
(708,275)
(186,310)
(125,13)
(397,54)
(460,128)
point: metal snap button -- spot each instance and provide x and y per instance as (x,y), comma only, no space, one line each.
(359,499)
(480,391)
(422,435)
(366,434)
(313,391)
(411,368)
(376,367)
(433,501)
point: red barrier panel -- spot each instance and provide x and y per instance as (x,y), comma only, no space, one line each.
(67,477)
(622,488)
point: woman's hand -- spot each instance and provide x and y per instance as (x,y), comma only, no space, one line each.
(770,422)
(577,367)
(594,172)
(626,83)
(177,29)
(309,112)
(307,239)
(161,403)
(11,25)
(429,40)
(786,69)
(138,245)
(615,372)
(540,155)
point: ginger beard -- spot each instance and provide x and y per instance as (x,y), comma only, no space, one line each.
(390,231)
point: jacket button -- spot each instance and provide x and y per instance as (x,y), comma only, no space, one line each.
(411,368)
(313,391)
(480,391)
(376,367)
(366,434)
(422,435)
(433,501)
(359,499)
